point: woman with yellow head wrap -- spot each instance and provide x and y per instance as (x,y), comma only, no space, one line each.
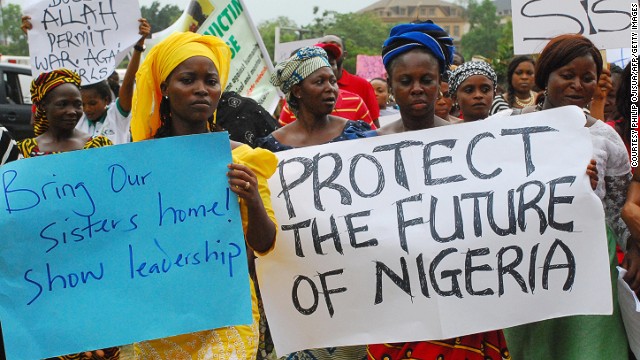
(156,68)
(56,96)
(178,89)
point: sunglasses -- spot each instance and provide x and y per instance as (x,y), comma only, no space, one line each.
(444,94)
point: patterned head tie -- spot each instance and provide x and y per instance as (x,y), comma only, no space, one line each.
(406,37)
(303,63)
(468,69)
(41,87)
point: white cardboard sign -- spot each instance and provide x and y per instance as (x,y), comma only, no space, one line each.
(605,22)
(435,234)
(87,37)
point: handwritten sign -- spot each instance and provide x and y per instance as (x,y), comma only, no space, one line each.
(370,66)
(251,66)
(89,37)
(605,22)
(620,57)
(110,246)
(435,234)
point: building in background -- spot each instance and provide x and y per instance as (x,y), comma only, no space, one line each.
(448,15)
(503,8)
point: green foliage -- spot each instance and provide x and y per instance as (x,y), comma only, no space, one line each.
(15,40)
(504,53)
(267,30)
(485,30)
(362,33)
(160,18)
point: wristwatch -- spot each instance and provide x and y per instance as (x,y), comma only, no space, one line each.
(140,48)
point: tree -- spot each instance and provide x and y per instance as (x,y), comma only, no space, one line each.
(267,30)
(504,53)
(160,18)
(363,34)
(484,32)
(15,40)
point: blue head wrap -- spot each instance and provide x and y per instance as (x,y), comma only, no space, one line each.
(405,37)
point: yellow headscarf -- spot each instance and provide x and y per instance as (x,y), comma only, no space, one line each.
(159,63)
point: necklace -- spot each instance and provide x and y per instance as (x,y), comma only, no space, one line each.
(527,102)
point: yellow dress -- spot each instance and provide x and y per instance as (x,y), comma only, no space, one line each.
(229,343)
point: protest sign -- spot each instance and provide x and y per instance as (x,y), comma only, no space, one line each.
(88,37)
(109,246)
(370,66)
(230,20)
(435,234)
(606,23)
(251,66)
(283,50)
(620,57)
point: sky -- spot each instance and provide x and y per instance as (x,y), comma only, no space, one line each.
(301,11)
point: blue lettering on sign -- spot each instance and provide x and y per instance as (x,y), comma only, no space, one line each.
(174,215)
(169,262)
(120,178)
(19,199)
(57,233)
(62,281)
(591,11)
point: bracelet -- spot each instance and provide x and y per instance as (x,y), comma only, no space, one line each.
(140,48)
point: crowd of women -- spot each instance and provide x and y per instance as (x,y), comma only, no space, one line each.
(177,91)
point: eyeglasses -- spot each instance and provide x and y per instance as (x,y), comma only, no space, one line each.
(444,94)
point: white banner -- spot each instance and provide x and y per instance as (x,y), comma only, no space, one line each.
(88,37)
(435,234)
(283,50)
(251,66)
(605,22)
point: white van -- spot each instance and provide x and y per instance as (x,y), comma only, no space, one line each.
(13,59)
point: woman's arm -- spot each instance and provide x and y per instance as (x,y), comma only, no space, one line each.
(260,231)
(26,24)
(125,95)
(600,95)
(249,182)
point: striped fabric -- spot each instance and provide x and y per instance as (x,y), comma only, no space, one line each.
(8,149)
(349,106)
(296,68)
(29,147)
(41,86)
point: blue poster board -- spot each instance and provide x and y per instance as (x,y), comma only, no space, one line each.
(109,246)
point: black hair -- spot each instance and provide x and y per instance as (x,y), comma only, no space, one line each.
(102,88)
(562,50)
(293,102)
(615,69)
(623,102)
(378,78)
